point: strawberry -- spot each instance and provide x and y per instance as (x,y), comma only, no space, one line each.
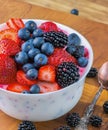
(15,23)
(48,26)
(47,86)
(16,87)
(47,73)
(9,47)
(9,34)
(7,69)
(22,79)
(60,55)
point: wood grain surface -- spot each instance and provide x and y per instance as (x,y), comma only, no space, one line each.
(96,33)
(96,10)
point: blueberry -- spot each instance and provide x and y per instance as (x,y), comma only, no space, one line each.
(26,46)
(74,11)
(27,67)
(34,89)
(73,38)
(32,52)
(24,34)
(71,49)
(38,41)
(37,33)
(32,74)
(82,61)
(30,25)
(47,48)
(26,92)
(21,57)
(40,59)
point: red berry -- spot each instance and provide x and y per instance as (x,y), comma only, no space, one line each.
(7,69)
(9,34)
(9,47)
(16,87)
(48,26)
(47,73)
(59,56)
(47,86)
(15,23)
(86,53)
(22,79)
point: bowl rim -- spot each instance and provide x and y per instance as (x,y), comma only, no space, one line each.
(89,47)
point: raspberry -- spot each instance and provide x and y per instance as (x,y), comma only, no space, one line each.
(95,121)
(48,26)
(67,74)
(73,119)
(26,125)
(60,55)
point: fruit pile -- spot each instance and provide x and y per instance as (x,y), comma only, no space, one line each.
(39,58)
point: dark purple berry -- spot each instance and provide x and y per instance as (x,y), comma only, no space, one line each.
(73,119)
(26,125)
(92,73)
(105,107)
(95,121)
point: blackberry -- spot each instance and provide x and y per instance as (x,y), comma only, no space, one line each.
(64,128)
(92,73)
(67,73)
(105,107)
(75,50)
(79,52)
(26,125)
(57,39)
(73,119)
(95,121)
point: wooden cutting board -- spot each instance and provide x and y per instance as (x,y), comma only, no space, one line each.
(96,33)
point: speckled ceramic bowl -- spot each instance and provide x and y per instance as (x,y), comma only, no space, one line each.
(47,106)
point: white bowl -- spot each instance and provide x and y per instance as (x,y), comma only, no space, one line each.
(47,106)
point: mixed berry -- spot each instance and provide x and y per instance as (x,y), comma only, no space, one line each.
(105,107)
(39,58)
(92,73)
(26,125)
(73,119)
(95,121)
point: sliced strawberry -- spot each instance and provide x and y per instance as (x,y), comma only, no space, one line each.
(9,47)
(16,87)
(9,34)
(11,24)
(19,22)
(7,69)
(60,55)
(47,73)
(15,23)
(22,79)
(48,26)
(47,86)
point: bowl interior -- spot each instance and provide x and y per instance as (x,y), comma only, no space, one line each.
(67,30)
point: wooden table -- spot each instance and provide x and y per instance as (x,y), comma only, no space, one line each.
(97,35)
